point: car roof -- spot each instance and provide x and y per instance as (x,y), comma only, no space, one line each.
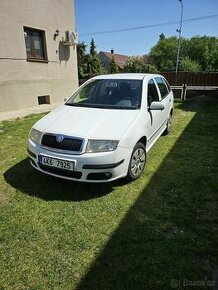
(129,76)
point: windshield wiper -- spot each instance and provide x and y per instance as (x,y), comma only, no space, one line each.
(125,108)
(76,105)
(89,105)
(101,106)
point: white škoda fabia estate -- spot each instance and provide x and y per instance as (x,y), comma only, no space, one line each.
(104,130)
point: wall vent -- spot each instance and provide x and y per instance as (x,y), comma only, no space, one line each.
(44,100)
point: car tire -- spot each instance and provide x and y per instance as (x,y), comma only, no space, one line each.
(137,162)
(168,127)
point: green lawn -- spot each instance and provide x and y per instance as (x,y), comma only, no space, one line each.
(57,234)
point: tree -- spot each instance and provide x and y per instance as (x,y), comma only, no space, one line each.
(139,64)
(82,60)
(92,50)
(202,50)
(162,36)
(113,66)
(94,63)
(164,52)
(189,65)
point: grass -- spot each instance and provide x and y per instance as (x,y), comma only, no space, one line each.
(57,234)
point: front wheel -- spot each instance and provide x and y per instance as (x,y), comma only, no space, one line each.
(137,162)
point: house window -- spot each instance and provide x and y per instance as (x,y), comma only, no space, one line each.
(35,44)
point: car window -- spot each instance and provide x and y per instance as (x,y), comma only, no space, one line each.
(109,93)
(168,86)
(162,87)
(152,92)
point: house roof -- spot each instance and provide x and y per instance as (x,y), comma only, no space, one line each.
(119,58)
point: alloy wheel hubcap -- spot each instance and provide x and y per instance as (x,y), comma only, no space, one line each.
(138,162)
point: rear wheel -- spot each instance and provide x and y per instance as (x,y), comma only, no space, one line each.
(137,162)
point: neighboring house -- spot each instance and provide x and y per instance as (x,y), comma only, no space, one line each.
(106,57)
(36,65)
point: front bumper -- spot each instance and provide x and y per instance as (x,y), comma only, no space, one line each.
(89,167)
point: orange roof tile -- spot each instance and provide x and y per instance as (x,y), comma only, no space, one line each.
(119,58)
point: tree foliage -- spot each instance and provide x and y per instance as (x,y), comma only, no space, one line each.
(201,52)
(164,52)
(88,63)
(189,65)
(92,50)
(113,66)
(82,60)
(139,64)
(94,63)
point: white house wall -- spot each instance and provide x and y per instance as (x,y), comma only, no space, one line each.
(22,81)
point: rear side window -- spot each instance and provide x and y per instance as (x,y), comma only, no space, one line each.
(168,86)
(152,92)
(162,87)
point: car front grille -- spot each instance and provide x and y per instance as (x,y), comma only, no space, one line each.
(67,143)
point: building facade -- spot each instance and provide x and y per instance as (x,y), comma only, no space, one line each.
(37,64)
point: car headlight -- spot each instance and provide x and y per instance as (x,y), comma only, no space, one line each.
(35,135)
(101,145)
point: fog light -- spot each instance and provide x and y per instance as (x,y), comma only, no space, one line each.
(108,174)
(99,176)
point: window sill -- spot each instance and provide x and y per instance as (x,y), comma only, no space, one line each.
(37,60)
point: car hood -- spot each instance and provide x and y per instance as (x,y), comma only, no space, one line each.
(89,123)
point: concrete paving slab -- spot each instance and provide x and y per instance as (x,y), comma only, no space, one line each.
(10,115)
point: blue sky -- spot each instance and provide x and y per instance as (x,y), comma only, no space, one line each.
(101,15)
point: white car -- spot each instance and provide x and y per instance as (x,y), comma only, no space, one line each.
(104,130)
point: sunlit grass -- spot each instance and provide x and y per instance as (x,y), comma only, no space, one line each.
(52,230)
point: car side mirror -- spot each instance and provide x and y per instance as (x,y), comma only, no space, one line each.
(156,106)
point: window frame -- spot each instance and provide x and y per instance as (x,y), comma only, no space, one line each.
(157,89)
(168,85)
(162,97)
(34,57)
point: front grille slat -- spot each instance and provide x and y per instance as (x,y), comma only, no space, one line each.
(67,144)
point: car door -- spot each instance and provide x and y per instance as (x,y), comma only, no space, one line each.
(165,95)
(155,117)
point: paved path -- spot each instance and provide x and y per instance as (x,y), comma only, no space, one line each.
(9,115)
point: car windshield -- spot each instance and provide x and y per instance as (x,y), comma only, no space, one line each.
(109,94)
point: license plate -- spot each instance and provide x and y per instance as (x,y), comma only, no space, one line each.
(57,163)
